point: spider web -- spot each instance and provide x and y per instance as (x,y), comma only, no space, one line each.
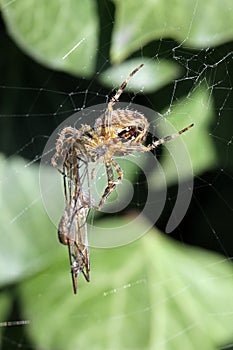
(36,100)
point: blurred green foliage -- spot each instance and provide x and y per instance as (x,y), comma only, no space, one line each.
(171,294)
(194,24)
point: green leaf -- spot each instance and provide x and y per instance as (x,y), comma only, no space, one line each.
(49,30)
(197,24)
(194,151)
(27,236)
(176,297)
(151,77)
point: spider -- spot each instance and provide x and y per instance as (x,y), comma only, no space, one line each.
(117,132)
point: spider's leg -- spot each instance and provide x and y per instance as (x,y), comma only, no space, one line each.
(118,171)
(167,138)
(55,165)
(117,95)
(61,155)
(115,98)
(111,183)
(93,172)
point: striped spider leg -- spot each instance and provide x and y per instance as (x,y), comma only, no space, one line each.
(106,126)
